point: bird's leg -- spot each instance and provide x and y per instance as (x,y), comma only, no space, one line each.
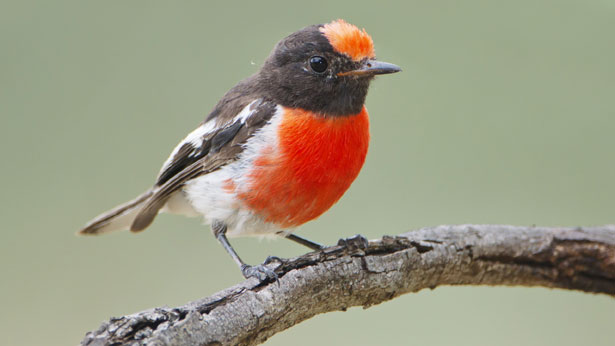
(354,242)
(261,272)
(305,242)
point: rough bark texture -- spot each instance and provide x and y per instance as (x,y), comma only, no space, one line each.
(346,275)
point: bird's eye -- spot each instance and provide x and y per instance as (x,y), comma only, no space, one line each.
(318,64)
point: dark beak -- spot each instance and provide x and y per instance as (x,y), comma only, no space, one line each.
(372,68)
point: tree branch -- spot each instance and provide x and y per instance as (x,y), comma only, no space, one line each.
(345,275)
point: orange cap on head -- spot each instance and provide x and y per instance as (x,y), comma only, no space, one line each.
(348,39)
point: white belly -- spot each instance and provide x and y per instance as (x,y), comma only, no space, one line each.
(207,194)
(209,198)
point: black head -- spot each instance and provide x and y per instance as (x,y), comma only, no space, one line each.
(322,68)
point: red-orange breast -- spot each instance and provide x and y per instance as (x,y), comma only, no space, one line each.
(278,150)
(314,163)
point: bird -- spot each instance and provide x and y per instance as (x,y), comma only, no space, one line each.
(278,149)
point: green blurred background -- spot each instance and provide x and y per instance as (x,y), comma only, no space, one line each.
(505,113)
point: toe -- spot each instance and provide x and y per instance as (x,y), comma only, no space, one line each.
(271,275)
(261,272)
(271,259)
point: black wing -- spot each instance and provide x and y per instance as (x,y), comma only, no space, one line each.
(205,150)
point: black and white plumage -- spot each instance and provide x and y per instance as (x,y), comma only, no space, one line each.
(209,148)
(278,150)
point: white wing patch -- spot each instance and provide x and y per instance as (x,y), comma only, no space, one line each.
(208,196)
(195,138)
(245,113)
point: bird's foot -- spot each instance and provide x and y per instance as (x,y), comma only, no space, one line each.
(271,259)
(261,272)
(356,242)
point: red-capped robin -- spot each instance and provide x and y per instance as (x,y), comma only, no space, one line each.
(278,150)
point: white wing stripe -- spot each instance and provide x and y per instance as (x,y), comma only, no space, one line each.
(245,112)
(195,138)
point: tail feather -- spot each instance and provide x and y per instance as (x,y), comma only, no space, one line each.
(117,219)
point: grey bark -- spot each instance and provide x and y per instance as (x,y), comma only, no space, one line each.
(346,275)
